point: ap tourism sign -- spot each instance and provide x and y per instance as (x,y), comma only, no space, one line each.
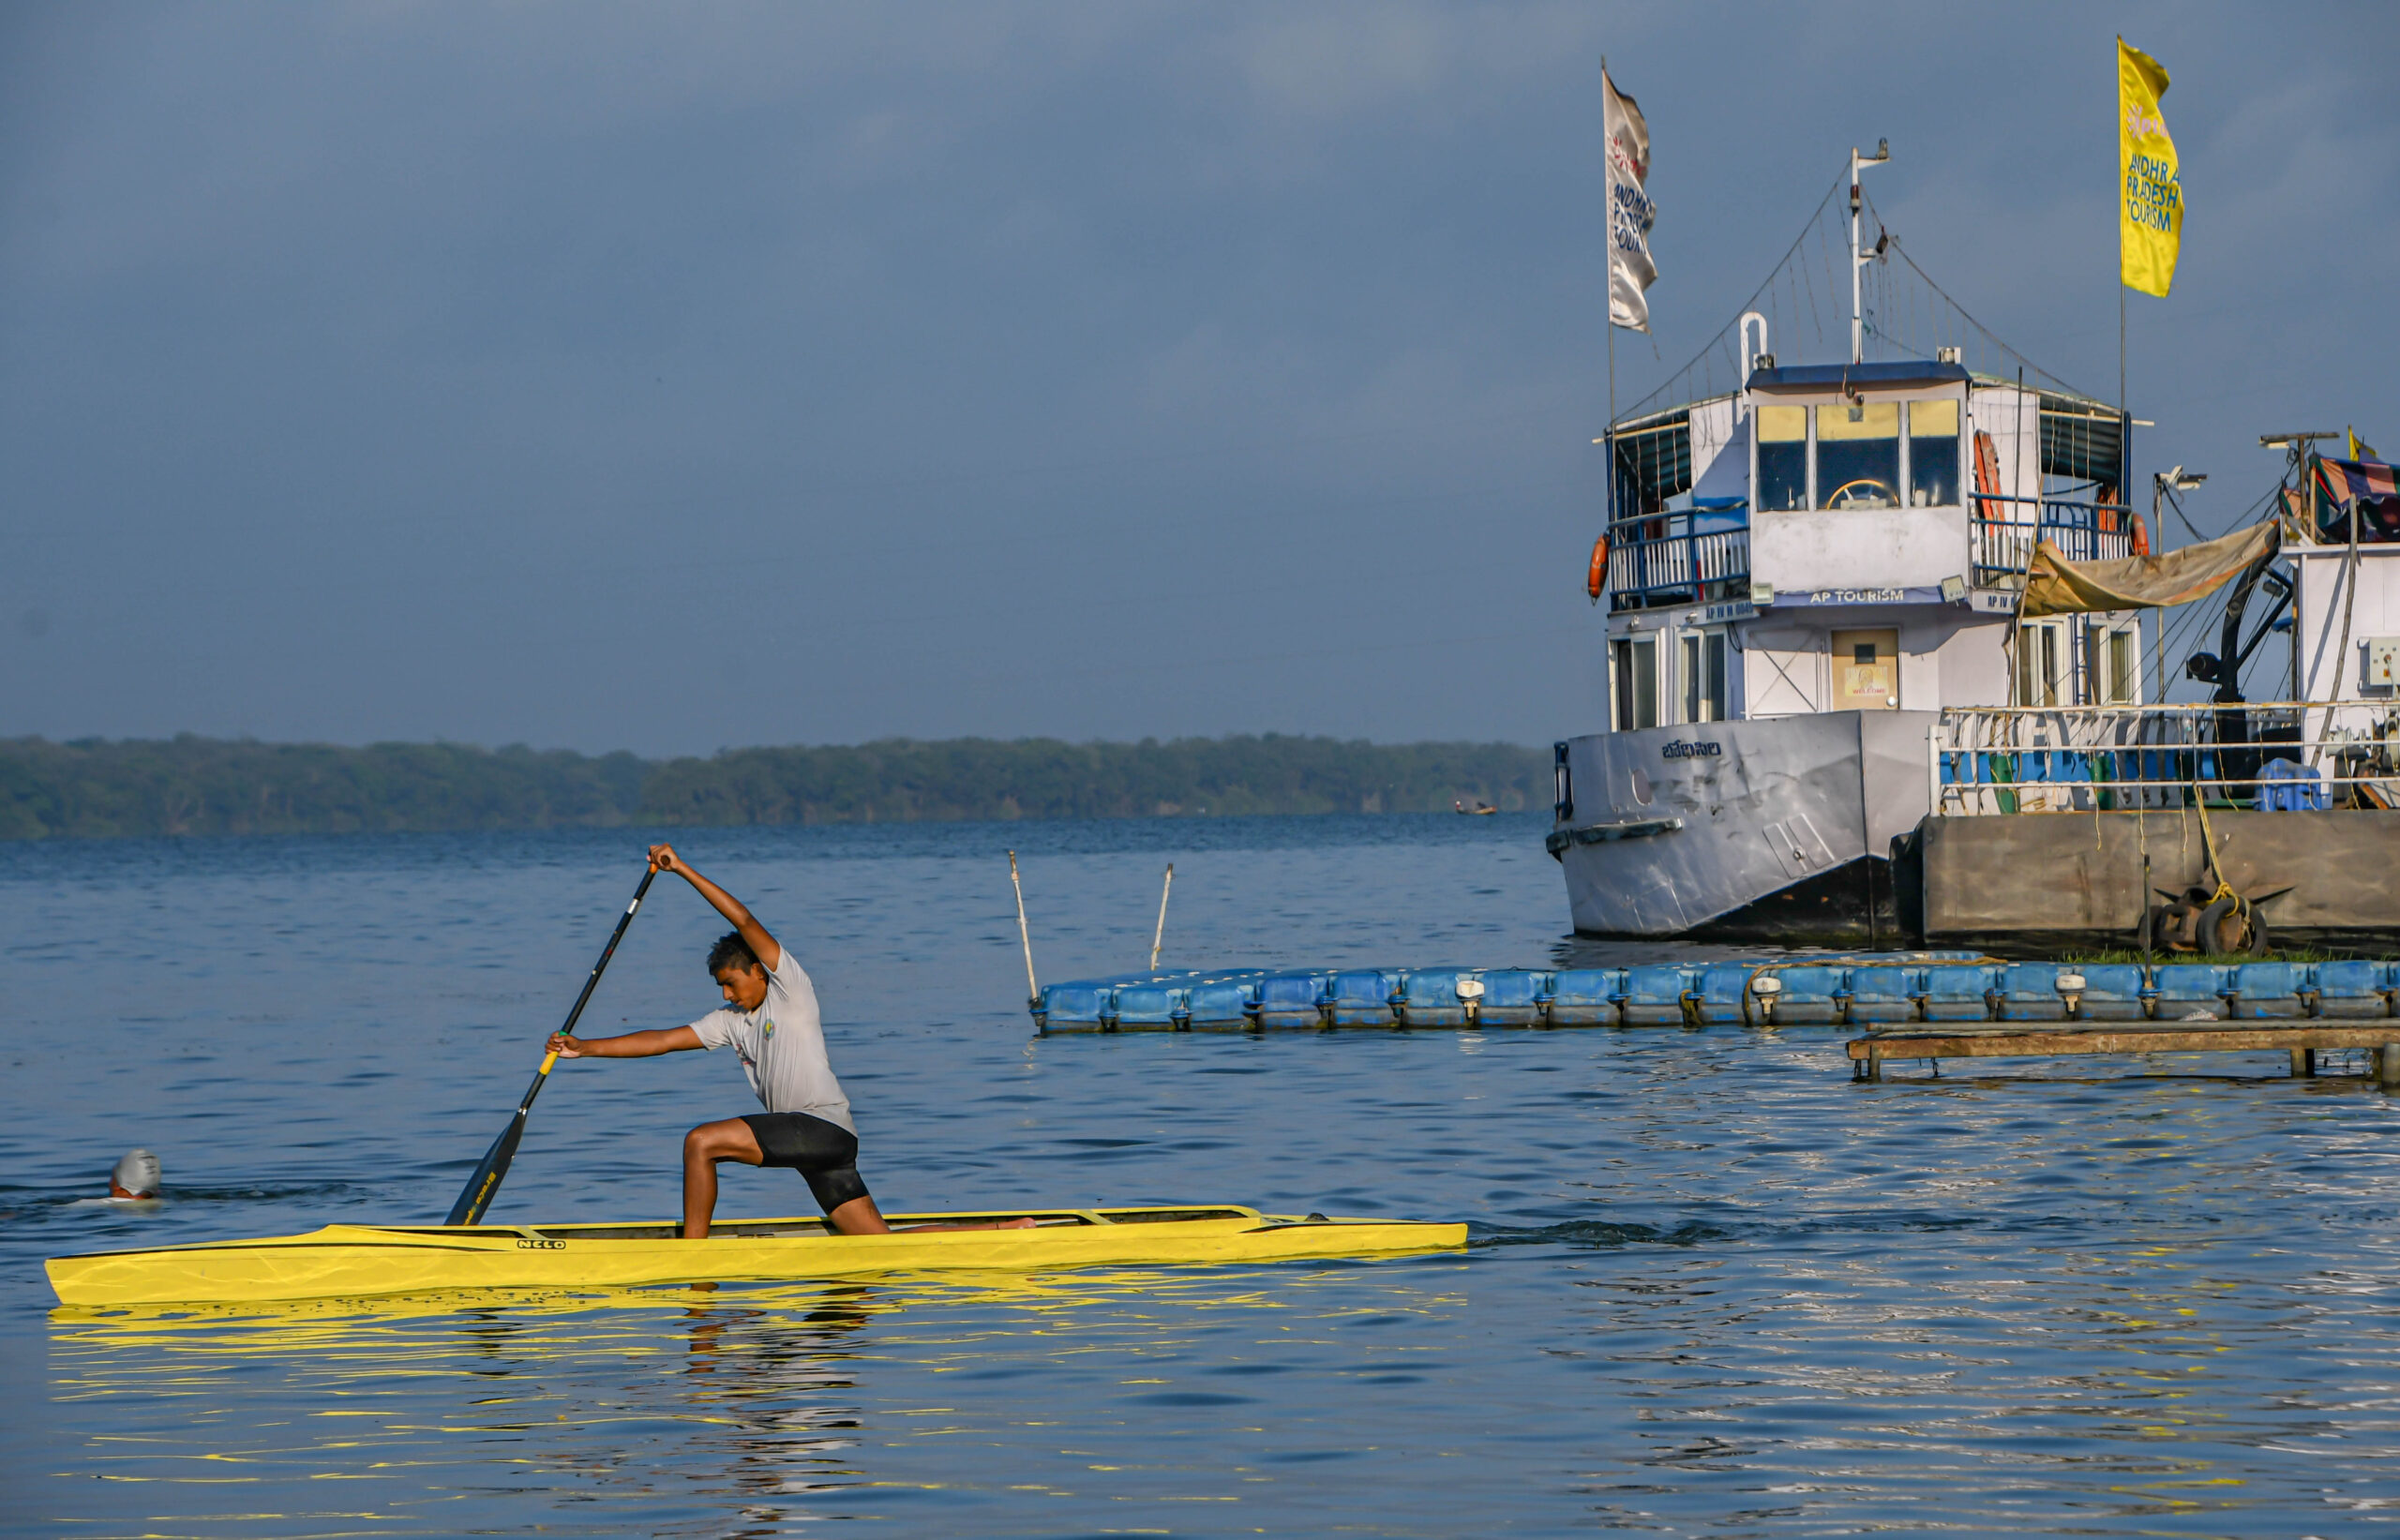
(1836,597)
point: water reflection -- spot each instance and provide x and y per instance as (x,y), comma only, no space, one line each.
(714,1408)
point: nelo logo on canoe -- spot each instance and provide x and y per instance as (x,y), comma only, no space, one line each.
(1687,749)
(541,1245)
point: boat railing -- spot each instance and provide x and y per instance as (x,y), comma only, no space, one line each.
(2001,531)
(1679,558)
(2282,755)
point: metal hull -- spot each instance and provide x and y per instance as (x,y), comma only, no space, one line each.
(2322,878)
(1694,829)
(367,1259)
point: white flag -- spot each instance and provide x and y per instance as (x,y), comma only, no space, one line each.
(1630,212)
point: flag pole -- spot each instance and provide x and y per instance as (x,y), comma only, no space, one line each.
(1608,278)
(2120,223)
(1608,300)
(2124,412)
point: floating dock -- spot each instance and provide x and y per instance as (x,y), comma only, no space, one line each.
(1875,990)
(1868,1054)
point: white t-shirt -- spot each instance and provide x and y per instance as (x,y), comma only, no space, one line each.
(782,1047)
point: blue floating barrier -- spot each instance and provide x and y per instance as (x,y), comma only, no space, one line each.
(2028,992)
(2265,992)
(1958,992)
(1292,1000)
(2352,991)
(1887,989)
(1076,1007)
(2113,991)
(1430,998)
(1653,994)
(1225,1003)
(1883,994)
(1715,998)
(2180,991)
(1585,997)
(1362,996)
(1805,997)
(1150,1007)
(1512,997)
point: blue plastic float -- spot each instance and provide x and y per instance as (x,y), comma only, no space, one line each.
(1891,990)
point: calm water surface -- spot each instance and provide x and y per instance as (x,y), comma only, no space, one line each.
(1716,1288)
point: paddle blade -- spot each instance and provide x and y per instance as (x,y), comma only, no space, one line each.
(477,1195)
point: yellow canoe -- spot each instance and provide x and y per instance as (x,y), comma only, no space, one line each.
(344,1260)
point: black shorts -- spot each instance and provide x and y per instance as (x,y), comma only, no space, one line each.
(826,1154)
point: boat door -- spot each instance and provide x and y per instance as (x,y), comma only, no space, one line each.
(1866,671)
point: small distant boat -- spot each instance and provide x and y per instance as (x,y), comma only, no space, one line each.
(347,1260)
(1480,809)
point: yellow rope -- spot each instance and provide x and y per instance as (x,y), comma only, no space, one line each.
(2207,840)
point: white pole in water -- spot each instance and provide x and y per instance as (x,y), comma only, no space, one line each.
(1160,935)
(1032,990)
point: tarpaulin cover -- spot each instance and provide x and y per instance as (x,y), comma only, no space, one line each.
(2056,586)
(2363,488)
(2346,480)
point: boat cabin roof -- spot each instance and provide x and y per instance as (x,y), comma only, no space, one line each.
(1816,378)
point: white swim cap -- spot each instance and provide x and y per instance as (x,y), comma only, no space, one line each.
(138,1174)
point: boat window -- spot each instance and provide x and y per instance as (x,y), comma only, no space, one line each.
(1933,453)
(2116,666)
(1635,660)
(1858,455)
(1783,458)
(1704,681)
(2041,676)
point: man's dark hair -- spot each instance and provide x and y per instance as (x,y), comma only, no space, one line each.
(731,951)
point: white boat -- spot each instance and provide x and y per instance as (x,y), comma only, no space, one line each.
(1799,572)
(1818,656)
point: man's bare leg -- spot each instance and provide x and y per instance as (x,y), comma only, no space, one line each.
(860,1217)
(703,1148)
(733,1140)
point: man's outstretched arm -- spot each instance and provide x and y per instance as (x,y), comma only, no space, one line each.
(762,945)
(633,1045)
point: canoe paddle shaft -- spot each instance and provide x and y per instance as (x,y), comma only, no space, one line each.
(477,1197)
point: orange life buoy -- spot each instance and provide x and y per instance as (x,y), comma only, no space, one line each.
(2141,536)
(1596,582)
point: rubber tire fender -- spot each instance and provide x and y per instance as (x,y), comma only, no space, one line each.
(2248,933)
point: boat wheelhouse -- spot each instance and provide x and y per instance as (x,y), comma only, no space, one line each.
(1853,537)
(1799,574)
(1861,614)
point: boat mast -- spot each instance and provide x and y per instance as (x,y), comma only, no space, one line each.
(1857,161)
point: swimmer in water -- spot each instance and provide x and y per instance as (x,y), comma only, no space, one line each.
(136,1176)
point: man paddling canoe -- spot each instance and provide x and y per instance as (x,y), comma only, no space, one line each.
(771,1023)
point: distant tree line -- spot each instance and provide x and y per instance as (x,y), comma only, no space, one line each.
(95,788)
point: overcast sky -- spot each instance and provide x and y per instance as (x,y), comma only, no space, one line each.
(673,377)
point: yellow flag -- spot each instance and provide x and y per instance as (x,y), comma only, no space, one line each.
(2149,213)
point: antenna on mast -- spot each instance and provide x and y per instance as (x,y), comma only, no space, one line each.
(1857,163)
